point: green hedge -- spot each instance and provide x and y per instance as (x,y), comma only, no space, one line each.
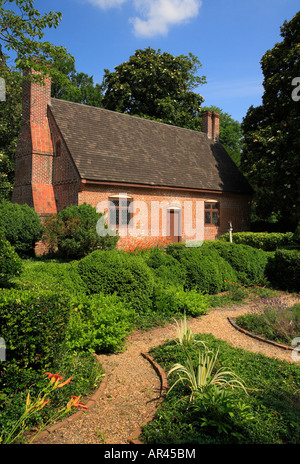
(116,271)
(33,325)
(263,240)
(10,262)
(100,323)
(166,268)
(21,226)
(173,300)
(52,275)
(250,264)
(215,261)
(206,270)
(285,270)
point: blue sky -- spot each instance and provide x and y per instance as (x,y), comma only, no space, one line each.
(229,38)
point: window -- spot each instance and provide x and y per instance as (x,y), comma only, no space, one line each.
(119,212)
(212,214)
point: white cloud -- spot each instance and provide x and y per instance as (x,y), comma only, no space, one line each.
(105,4)
(160,15)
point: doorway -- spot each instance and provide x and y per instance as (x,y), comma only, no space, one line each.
(174,225)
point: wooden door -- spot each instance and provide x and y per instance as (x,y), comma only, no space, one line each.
(174,225)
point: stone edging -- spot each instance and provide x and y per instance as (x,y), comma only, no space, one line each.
(89,404)
(257,337)
(133,439)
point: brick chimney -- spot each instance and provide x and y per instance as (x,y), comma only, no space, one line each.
(211,125)
(34,152)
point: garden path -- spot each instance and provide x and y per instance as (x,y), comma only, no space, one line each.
(132,389)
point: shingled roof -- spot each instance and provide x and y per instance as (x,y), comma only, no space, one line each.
(114,147)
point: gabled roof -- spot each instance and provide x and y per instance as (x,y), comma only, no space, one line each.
(114,147)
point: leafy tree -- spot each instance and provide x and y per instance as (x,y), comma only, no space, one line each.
(10,120)
(21,30)
(156,85)
(271,144)
(81,88)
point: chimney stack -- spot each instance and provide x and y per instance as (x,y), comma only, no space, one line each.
(211,125)
(34,152)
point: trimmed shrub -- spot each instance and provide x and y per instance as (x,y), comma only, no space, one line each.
(263,240)
(206,270)
(33,325)
(21,226)
(174,300)
(72,234)
(10,262)
(285,270)
(250,264)
(99,324)
(53,276)
(118,272)
(166,268)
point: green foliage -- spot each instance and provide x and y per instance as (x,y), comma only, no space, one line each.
(72,232)
(33,325)
(10,263)
(270,157)
(21,226)
(21,30)
(10,120)
(200,376)
(53,276)
(263,240)
(99,323)
(206,270)
(296,236)
(250,264)
(166,268)
(157,86)
(174,300)
(285,270)
(118,272)
(278,323)
(267,415)
(80,89)
(86,373)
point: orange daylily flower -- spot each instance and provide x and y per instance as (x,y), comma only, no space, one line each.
(65,382)
(74,401)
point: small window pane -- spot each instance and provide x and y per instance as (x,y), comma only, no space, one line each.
(207,206)
(125,216)
(113,215)
(125,203)
(215,217)
(207,217)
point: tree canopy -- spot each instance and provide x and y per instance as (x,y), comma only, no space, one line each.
(21,31)
(271,143)
(156,85)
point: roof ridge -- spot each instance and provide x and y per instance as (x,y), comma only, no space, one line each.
(131,116)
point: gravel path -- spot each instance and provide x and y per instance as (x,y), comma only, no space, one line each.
(131,395)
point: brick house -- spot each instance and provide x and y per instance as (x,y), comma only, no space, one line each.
(153,179)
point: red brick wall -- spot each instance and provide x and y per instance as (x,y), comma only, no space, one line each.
(66,180)
(234,208)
